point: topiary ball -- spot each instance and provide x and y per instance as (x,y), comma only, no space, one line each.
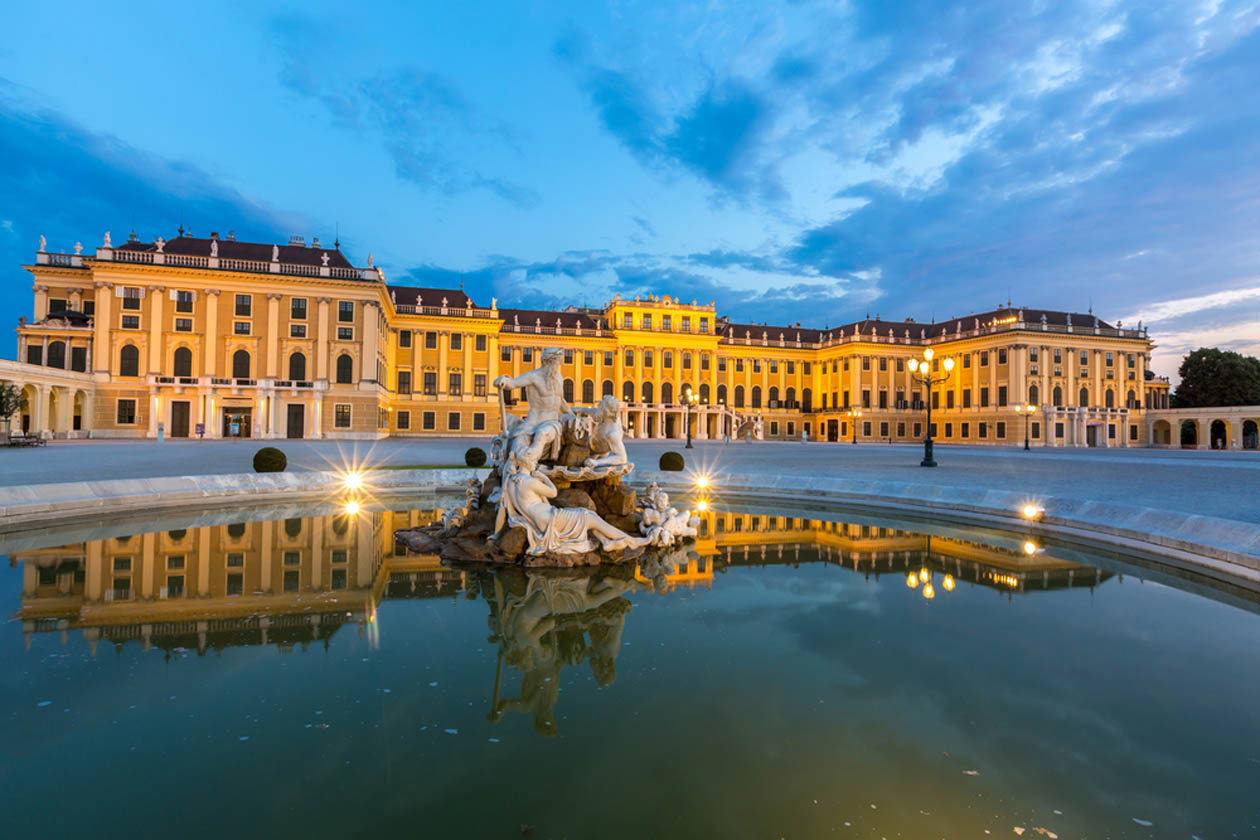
(475,457)
(269,459)
(672,461)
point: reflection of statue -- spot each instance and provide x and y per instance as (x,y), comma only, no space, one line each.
(544,622)
(526,502)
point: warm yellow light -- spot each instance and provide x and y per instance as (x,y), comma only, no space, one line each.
(929,353)
(352,481)
(923,573)
(702,482)
(928,591)
(913,364)
(949,365)
(352,508)
(948,583)
(702,505)
(1030,547)
(911,580)
(1031,511)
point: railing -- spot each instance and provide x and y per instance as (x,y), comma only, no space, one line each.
(218,380)
(257,266)
(304,270)
(187,260)
(244,382)
(194,261)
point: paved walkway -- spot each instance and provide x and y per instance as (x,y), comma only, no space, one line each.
(1222,484)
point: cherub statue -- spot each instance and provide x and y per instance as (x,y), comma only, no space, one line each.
(663,525)
(472,494)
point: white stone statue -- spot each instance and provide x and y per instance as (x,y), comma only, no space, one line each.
(43,242)
(662,524)
(160,243)
(107,243)
(606,438)
(275,253)
(542,428)
(214,247)
(323,258)
(526,503)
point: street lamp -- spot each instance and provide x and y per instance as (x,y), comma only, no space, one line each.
(921,372)
(690,398)
(1027,411)
(853,414)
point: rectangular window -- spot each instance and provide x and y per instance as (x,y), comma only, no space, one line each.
(1001,395)
(647,358)
(404,338)
(883,399)
(131,298)
(183,325)
(430,383)
(404,382)
(984,430)
(479,422)
(568,356)
(479,384)
(505,354)
(345,311)
(588,357)
(949,399)
(722,364)
(739,365)
(627,321)
(235,560)
(984,397)
(774,366)
(297,309)
(966,430)
(457,341)
(78,358)
(936,399)
(686,323)
(455,384)
(1110,358)
(984,358)
(883,363)
(430,340)
(240,327)
(1001,429)
(297,330)
(452,421)
(1058,430)
(866,363)
(235,583)
(345,333)
(1036,430)
(686,361)
(126,412)
(668,361)
(805,366)
(174,586)
(338,579)
(34,354)
(1084,358)
(183,301)
(608,358)
(1001,355)
(1058,356)
(901,365)
(918,429)
(756,365)
(866,428)
(341,416)
(966,398)
(131,322)
(1111,431)
(56,304)
(949,429)
(883,430)
(404,420)
(846,365)
(244,306)
(1033,354)
(647,322)
(527,355)
(866,398)
(704,361)
(428,421)
(666,323)
(292,577)
(292,558)
(966,360)
(1133,432)
(774,428)
(901,430)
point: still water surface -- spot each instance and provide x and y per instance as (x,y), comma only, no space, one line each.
(299,676)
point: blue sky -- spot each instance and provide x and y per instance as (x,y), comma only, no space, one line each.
(793,162)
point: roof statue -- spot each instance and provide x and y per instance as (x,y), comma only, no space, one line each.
(214,247)
(43,242)
(160,243)
(324,258)
(107,243)
(78,247)
(275,253)
(370,261)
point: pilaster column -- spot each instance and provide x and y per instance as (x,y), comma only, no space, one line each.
(467,374)
(492,363)
(321,339)
(41,302)
(271,367)
(148,559)
(371,330)
(100,328)
(318,560)
(210,348)
(444,343)
(267,538)
(203,562)
(155,328)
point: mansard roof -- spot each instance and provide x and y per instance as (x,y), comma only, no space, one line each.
(232,249)
(916,329)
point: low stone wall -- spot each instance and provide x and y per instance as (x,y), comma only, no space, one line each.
(40,503)
(1224,548)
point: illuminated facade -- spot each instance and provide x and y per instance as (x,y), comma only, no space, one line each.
(215,338)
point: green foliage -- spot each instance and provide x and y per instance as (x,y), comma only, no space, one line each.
(10,400)
(475,457)
(672,461)
(269,459)
(1211,377)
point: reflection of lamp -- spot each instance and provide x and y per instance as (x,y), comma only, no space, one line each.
(352,507)
(702,482)
(352,480)
(924,577)
(921,372)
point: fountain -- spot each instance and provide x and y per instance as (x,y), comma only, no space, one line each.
(554,496)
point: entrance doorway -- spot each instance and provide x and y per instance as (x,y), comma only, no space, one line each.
(833,430)
(669,426)
(179,419)
(296,425)
(237,422)
(1091,435)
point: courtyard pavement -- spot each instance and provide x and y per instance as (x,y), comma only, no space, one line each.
(1222,484)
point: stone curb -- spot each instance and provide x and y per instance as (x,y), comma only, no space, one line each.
(20,506)
(1200,543)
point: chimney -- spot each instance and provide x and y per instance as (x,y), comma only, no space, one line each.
(214,234)
(299,241)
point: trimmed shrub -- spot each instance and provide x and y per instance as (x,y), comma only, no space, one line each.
(269,459)
(475,457)
(672,461)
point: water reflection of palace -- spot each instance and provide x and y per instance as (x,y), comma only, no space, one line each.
(295,581)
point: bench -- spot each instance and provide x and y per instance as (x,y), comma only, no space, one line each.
(23,439)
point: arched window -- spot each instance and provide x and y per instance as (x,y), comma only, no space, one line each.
(756,396)
(57,354)
(181,362)
(1033,394)
(722,394)
(1084,398)
(627,392)
(293,528)
(588,391)
(647,392)
(667,393)
(789,398)
(297,367)
(807,400)
(345,369)
(683,391)
(1058,397)
(129,361)
(240,364)
(568,390)
(608,388)
(774,396)
(739,396)
(1110,399)
(704,394)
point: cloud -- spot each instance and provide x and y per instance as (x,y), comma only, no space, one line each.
(422,119)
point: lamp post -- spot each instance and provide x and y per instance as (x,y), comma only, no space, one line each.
(853,414)
(691,399)
(1026,410)
(921,372)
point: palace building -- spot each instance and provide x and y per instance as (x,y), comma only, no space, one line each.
(213,337)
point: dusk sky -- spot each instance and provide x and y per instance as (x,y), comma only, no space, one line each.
(792,162)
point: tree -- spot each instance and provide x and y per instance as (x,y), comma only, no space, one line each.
(10,404)
(1212,377)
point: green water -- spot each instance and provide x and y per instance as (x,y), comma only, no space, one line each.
(786,683)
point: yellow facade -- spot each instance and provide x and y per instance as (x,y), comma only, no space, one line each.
(207,337)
